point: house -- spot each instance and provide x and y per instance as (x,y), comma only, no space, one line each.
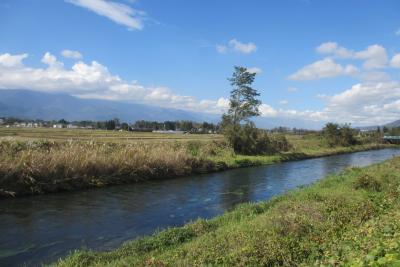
(168,132)
(58,126)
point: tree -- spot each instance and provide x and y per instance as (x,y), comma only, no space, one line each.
(338,135)
(244,138)
(110,125)
(243,102)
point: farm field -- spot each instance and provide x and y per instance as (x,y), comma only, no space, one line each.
(99,135)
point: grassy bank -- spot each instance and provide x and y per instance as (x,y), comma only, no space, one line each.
(30,164)
(350,219)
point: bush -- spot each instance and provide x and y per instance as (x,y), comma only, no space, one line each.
(338,135)
(368,182)
(280,143)
(248,140)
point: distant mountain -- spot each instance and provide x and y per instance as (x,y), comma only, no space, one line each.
(47,106)
(389,125)
(27,104)
(393,124)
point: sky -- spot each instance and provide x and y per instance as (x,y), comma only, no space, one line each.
(315,61)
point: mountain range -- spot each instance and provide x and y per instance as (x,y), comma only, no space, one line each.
(28,104)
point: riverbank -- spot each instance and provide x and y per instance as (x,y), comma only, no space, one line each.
(30,167)
(350,219)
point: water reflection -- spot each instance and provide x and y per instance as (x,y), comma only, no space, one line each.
(43,228)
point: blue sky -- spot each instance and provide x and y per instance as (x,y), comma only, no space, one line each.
(316,60)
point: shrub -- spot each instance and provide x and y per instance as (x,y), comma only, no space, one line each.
(280,143)
(338,135)
(248,140)
(368,182)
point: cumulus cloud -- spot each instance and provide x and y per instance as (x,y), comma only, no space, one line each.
(268,111)
(374,56)
(322,69)
(365,103)
(119,13)
(51,61)
(94,80)
(395,62)
(8,60)
(371,103)
(242,47)
(71,54)
(334,49)
(236,46)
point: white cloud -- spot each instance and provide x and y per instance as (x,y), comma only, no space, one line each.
(322,69)
(117,12)
(365,103)
(242,47)
(254,70)
(395,62)
(374,56)
(269,112)
(236,46)
(71,54)
(373,103)
(334,49)
(397,32)
(93,80)
(292,89)
(8,60)
(373,76)
(283,102)
(51,61)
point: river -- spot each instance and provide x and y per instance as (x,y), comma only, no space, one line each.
(41,229)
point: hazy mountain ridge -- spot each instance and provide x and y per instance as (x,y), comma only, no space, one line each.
(47,106)
(27,104)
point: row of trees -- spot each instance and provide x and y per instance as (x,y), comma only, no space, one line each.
(114,124)
(180,125)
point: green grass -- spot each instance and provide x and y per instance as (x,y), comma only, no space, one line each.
(37,161)
(349,219)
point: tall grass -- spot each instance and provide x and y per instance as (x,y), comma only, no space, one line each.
(36,166)
(45,166)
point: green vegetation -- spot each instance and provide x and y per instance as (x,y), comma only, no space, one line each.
(336,135)
(37,161)
(240,132)
(349,219)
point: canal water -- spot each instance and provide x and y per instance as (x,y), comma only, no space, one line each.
(40,229)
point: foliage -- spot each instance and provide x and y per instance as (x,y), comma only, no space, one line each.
(245,139)
(339,135)
(243,102)
(182,125)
